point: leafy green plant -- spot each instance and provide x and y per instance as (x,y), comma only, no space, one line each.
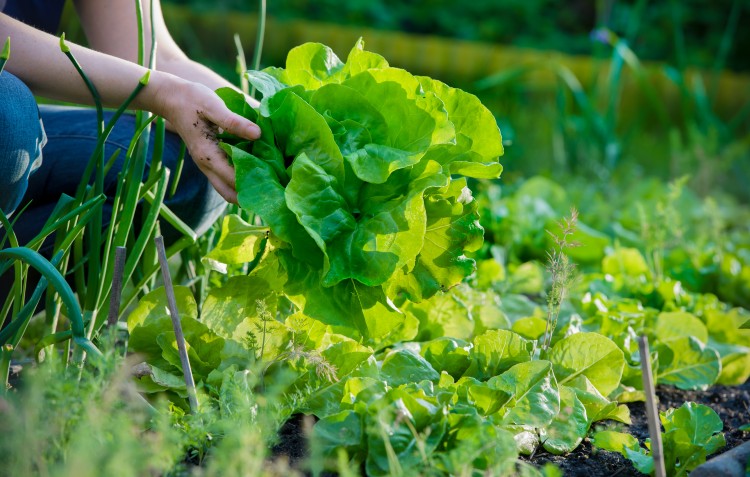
(363,210)
(691,433)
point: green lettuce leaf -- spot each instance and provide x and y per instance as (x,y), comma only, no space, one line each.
(535,399)
(496,351)
(591,355)
(687,364)
(356,176)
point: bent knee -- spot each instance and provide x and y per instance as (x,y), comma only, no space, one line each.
(21,140)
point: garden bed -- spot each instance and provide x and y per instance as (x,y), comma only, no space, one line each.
(730,403)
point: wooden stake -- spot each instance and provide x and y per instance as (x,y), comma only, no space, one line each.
(115,297)
(654,426)
(173,313)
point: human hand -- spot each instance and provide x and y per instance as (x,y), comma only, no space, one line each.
(197,114)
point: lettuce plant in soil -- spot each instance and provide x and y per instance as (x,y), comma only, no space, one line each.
(360,177)
(363,224)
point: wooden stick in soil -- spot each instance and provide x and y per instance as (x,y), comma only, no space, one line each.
(115,297)
(172,303)
(654,428)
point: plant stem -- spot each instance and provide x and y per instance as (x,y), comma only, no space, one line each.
(259,38)
(173,313)
(657,451)
(114,300)
(5,353)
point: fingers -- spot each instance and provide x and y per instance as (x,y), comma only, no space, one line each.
(198,121)
(227,192)
(212,161)
(234,123)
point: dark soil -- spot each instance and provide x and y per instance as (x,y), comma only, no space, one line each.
(732,404)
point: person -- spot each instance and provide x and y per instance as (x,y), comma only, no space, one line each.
(39,160)
(44,149)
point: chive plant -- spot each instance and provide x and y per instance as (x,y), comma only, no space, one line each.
(82,234)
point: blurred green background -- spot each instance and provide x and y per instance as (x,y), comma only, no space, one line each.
(542,24)
(591,88)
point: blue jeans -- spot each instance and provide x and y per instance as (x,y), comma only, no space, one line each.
(37,168)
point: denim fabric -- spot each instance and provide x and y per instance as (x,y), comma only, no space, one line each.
(21,140)
(42,14)
(71,135)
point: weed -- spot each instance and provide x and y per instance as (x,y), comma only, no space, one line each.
(561,270)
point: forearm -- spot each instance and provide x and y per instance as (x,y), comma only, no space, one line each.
(193,71)
(37,60)
(182,66)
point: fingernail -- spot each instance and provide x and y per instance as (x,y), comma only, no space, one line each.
(255,131)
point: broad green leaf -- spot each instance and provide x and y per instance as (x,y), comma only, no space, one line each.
(360,60)
(260,192)
(232,311)
(360,392)
(569,426)
(598,407)
(589,354)
(442,315)
(691,432)
(695,424)
(628,446)
(353,309)
(447,354)
(374,163)
(735,363)
(479,395)
(473,443)
(404,366)
(311,65)
(343,430)
(470,118)
(264,82)
(237,102)
(614,441)
(395,94)
(732,342)
(496,351)
(343,103)
(346,356)
(474,169)
(391,432)
(452,229)
(158,380)
(485,308)
(535,399)
(531,327)
(625,261)
(299,128)
(368,249)
(239,243)
(678,324)
(151,317)
(204,348)
(727,326)
(687,364)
